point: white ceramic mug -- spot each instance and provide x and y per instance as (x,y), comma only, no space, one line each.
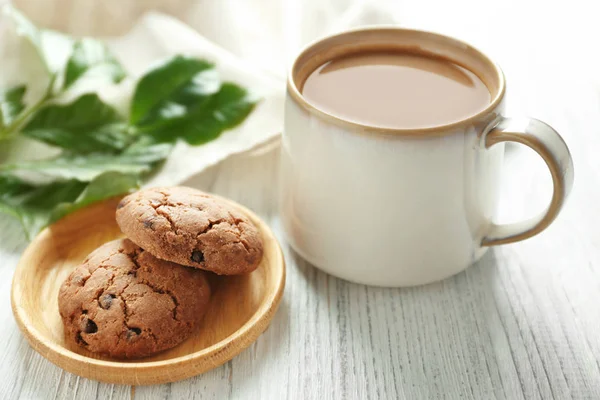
(401,207)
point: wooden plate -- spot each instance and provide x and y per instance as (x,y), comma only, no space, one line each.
(240,309)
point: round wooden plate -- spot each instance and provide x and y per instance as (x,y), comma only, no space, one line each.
(240,309)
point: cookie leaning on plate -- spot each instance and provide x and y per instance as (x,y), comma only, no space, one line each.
(189,227)
(124,302)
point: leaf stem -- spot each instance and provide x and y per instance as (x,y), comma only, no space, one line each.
(18,122)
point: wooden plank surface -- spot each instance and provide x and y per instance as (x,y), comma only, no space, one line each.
(524,323)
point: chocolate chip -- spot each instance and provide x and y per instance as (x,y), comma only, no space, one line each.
(197,256)
(148,223)
(89,326)
(121,204)
(80,340)
(133,333)
(105,300)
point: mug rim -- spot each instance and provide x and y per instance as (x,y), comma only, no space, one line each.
(436,130)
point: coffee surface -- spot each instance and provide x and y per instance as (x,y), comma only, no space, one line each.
(396,90)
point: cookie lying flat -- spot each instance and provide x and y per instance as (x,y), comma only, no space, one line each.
(192,228)
(126,303)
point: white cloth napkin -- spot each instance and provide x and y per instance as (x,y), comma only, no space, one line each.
(156,37)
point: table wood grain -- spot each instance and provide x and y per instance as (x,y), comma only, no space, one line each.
(523,323)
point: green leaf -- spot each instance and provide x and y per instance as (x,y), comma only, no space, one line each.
(38,206)
(104,186)
(11,104)
(86,168)
(160,83)
(86,125)
(92,56)
(53,47)
(105,138)
(32,205)
(11,189)
(221,111)
(183,102)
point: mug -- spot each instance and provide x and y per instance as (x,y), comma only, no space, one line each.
(403,207)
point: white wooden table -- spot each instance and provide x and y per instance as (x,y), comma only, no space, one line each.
(523,323)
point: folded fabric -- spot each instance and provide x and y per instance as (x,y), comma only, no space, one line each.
(156,37)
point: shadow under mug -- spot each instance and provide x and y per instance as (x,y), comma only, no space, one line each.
(402,207)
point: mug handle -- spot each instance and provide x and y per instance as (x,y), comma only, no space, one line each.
(552,148)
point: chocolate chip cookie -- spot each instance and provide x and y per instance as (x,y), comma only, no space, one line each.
(124,302)
(189,227)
